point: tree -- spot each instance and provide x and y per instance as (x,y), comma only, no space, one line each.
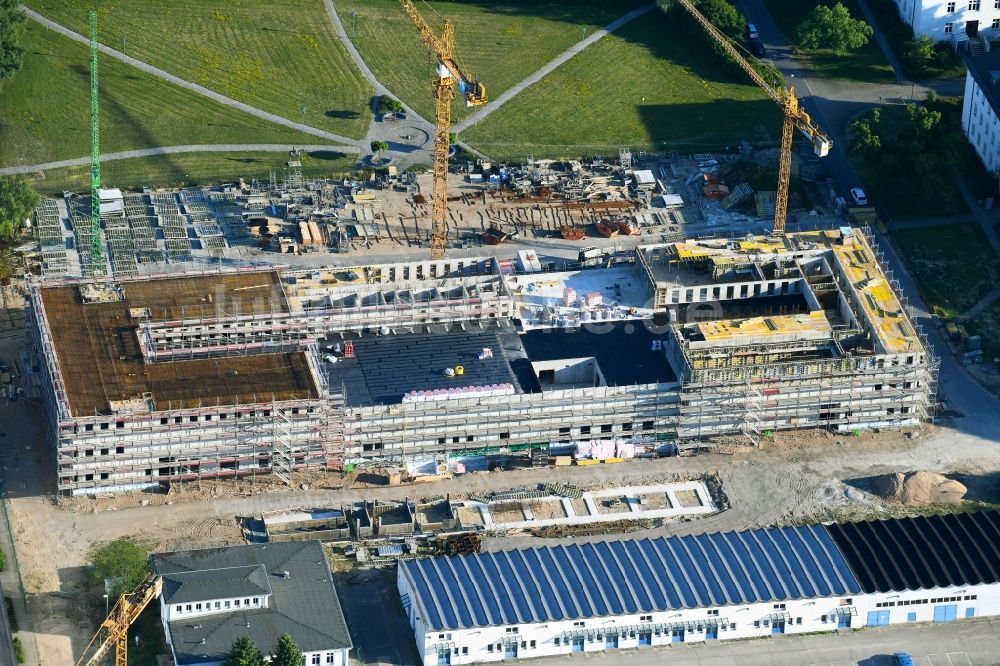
(17,202)
(864,139)
(723,16)
(11,27)
(122,562)
(244,653)
(378,146)
(287,653)
(833,28)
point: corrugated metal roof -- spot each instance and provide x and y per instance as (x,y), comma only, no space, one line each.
(922,553)
(627,576)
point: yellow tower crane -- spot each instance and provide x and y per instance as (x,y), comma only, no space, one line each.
(114,630)
(448,74)
(795,117)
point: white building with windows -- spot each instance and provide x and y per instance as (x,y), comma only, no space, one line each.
(951,19)
(981,108)
(213,597)
(627,593)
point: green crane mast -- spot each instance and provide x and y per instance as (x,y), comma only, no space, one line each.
(96,255)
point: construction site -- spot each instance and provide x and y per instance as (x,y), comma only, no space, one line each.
(432,366)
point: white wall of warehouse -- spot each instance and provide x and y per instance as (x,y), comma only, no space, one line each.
(467,646)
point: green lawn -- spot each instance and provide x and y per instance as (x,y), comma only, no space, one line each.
(656,83)
(865,64)
(277,56)
(500,43)
(45,108)
(191,169)
(954,265)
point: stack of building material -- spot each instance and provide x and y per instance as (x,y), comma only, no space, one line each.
(569,296)
(765,204)
(738,195)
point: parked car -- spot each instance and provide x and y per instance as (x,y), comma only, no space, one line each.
(859,196)
(752,31)
(757,48)
(902,659)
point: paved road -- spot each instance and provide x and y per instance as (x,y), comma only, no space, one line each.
(545,69)
(12,589)
(173,150)
(188,85)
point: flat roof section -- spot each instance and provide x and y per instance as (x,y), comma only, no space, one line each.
(101,362)
(207,295)
(810,326)
(623,351)
(386,367)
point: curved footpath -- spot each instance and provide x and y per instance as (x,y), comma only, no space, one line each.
(188,85)
(173,150)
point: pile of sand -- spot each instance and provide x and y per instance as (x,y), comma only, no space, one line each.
(919,488)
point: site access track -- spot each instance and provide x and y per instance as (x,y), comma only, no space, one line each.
(188,85)
(173,150)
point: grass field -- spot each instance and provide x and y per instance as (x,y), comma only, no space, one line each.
(865,64)
(45,108)
(499,43)
(954,265)
(277,56)
(191,169)
(656,83)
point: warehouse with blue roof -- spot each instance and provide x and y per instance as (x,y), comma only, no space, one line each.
(628,593)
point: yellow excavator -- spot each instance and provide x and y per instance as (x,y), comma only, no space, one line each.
(449,74)
(114,630)
(795,116)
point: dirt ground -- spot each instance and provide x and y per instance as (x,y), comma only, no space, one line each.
(688,499)
(652,501)
(547,510)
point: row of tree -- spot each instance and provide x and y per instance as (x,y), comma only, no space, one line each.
(17,199)
(919,146)
(245,652)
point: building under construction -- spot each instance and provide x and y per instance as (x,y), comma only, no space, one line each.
(163,379)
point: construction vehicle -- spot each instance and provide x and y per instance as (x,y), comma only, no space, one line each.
(795,116)
(448,75)
(114,630)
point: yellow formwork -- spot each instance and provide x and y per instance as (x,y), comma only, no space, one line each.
(877,298)
(813,322)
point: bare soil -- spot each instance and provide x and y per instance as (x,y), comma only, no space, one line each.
(547,509)
(653,501)
(688,499)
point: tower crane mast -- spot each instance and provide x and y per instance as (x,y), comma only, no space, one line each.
(113,633)
(448,75)
(795,117)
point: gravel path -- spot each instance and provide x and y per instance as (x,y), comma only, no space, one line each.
(193,87)
(547,68)
(173,150)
